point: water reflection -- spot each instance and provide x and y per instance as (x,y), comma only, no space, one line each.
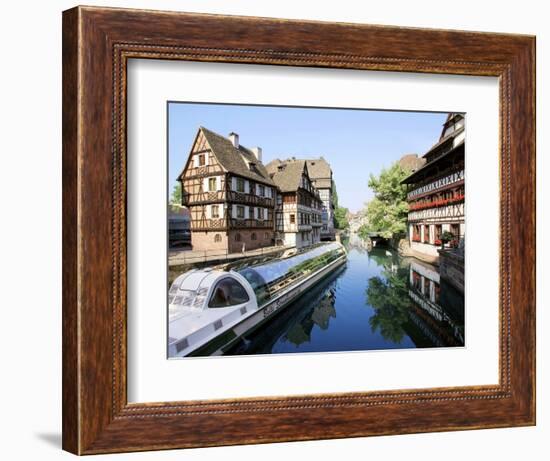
(379,300)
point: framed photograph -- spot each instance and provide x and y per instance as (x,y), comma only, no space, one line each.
(282,230)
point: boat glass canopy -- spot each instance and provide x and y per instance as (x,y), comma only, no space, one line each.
(269,279)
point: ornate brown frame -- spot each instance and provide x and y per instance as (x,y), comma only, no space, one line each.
(97,43)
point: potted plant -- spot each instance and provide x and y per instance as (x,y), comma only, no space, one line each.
(446,236)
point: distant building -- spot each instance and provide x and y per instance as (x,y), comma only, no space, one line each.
(320,174)
(356,221)
(299,207)
(412,162)
(436,192)
(229,193)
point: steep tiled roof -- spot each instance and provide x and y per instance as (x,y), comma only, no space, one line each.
(236,160)
(286,175)
(318,168)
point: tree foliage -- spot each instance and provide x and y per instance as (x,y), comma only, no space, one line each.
(387,211)
(175,198)
(363,231)
(340,213)
(341,218)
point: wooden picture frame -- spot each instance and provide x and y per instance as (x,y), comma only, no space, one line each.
(97,43)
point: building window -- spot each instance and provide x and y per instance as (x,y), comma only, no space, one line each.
(455,230)
(237,237)
(251,212)
(212,184)
(215,211)
(217,238)
(260,212)
(416,233)
(266,236)
(253,236)
(202,160)
(292,219)
(437,234)
(426,286)
(240,185)
(261,191)
(240,212)
(426,234)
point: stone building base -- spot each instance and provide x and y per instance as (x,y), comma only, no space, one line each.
(451,268)
(231,242)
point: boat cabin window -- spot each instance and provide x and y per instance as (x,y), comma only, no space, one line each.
(228,292)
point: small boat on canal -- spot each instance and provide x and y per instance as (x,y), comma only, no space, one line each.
(212,309)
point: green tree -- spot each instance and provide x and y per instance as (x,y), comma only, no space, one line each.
(334,195)
(341,218)
(363,232)
(175,198)
(387,211)
(340,213)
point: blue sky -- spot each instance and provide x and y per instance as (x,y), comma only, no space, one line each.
(355,142)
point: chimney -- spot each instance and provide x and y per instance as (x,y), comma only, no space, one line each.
(257,151)
(234,138)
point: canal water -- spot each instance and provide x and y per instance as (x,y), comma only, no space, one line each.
(378,300)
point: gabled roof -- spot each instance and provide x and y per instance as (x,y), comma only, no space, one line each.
(287,175)
(236,160)
(318,168)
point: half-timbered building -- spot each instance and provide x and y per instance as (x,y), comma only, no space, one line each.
(321,176)
(298,214)
(229,193)
(436,192)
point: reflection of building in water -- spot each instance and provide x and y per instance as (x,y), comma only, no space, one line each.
(443,327)
(320,315)
(296,323)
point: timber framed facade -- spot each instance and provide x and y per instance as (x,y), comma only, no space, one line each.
(229,194)
(298,214)
(436,193)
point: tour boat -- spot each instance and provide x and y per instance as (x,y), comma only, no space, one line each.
(211,309)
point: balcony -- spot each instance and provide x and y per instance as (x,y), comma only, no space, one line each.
(204,198)
(231,223)
(249,199)
(208,225)
(436,203)
(438,185)
(201,171)
(250,224)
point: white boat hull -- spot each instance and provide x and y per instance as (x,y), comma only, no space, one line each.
(231,335)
